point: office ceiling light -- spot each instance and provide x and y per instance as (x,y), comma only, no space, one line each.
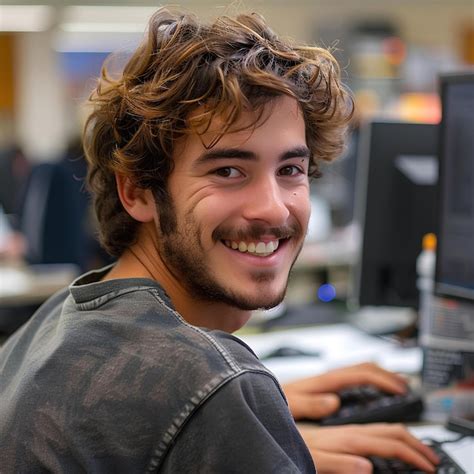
(105,19)
(102,27)
(95,42)
(26,17)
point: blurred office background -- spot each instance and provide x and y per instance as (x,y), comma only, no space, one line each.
(50,54)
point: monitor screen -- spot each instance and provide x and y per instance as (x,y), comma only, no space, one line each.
(396,205)
(455,250)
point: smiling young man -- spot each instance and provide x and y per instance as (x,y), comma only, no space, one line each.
(236,218)
(199,156)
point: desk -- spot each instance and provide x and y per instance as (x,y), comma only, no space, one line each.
(340,345)
(29,285)
(461,451)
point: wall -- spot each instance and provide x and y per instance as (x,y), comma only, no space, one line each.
(43,116)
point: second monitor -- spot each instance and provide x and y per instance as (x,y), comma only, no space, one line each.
(396,205)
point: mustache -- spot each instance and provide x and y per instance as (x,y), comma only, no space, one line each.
(256,232)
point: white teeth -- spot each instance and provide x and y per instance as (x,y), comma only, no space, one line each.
(242,247)
(261,249)
(272,246)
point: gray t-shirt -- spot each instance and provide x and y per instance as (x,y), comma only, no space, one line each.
(107,377)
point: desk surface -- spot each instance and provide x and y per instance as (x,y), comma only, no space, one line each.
(24,285)
(338,345)
(341,345)
(461,451)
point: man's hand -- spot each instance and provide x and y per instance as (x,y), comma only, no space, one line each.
(315,397)
(343,449)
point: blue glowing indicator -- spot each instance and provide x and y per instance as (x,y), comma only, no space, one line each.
(447,403)
(326,293)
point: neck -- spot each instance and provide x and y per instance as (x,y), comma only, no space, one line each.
(143,261)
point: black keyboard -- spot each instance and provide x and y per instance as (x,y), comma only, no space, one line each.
(367,404)
(394,466)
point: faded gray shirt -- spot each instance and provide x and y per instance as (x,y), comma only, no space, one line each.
(107,377)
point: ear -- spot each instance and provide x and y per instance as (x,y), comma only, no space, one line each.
(138,202)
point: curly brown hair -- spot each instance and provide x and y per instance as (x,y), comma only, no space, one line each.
(228,66)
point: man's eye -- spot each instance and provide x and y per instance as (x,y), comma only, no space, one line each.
(228,172)
(290,171)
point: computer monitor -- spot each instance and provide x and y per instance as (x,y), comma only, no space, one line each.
(447,328)
(396,205)
(454,275)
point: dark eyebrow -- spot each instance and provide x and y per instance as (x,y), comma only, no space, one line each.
(298,152)
(226,153)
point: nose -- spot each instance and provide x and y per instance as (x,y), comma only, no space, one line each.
(267,201)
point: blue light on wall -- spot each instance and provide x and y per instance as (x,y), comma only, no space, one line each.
(326,293)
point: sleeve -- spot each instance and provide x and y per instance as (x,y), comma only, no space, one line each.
(245,427)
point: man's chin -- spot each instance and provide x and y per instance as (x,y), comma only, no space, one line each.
(254,302)
(264,294)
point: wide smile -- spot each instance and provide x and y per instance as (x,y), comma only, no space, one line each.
(258,249)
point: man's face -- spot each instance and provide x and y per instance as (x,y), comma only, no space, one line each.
(241,209)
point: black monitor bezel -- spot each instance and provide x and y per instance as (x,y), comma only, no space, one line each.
(442,289)
(363,167)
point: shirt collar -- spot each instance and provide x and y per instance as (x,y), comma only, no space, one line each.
(89,287)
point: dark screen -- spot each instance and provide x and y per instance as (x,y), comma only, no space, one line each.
(396,190)
(455,250)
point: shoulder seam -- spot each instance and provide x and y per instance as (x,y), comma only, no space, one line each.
(190,407)
(101,300)
(222,351)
